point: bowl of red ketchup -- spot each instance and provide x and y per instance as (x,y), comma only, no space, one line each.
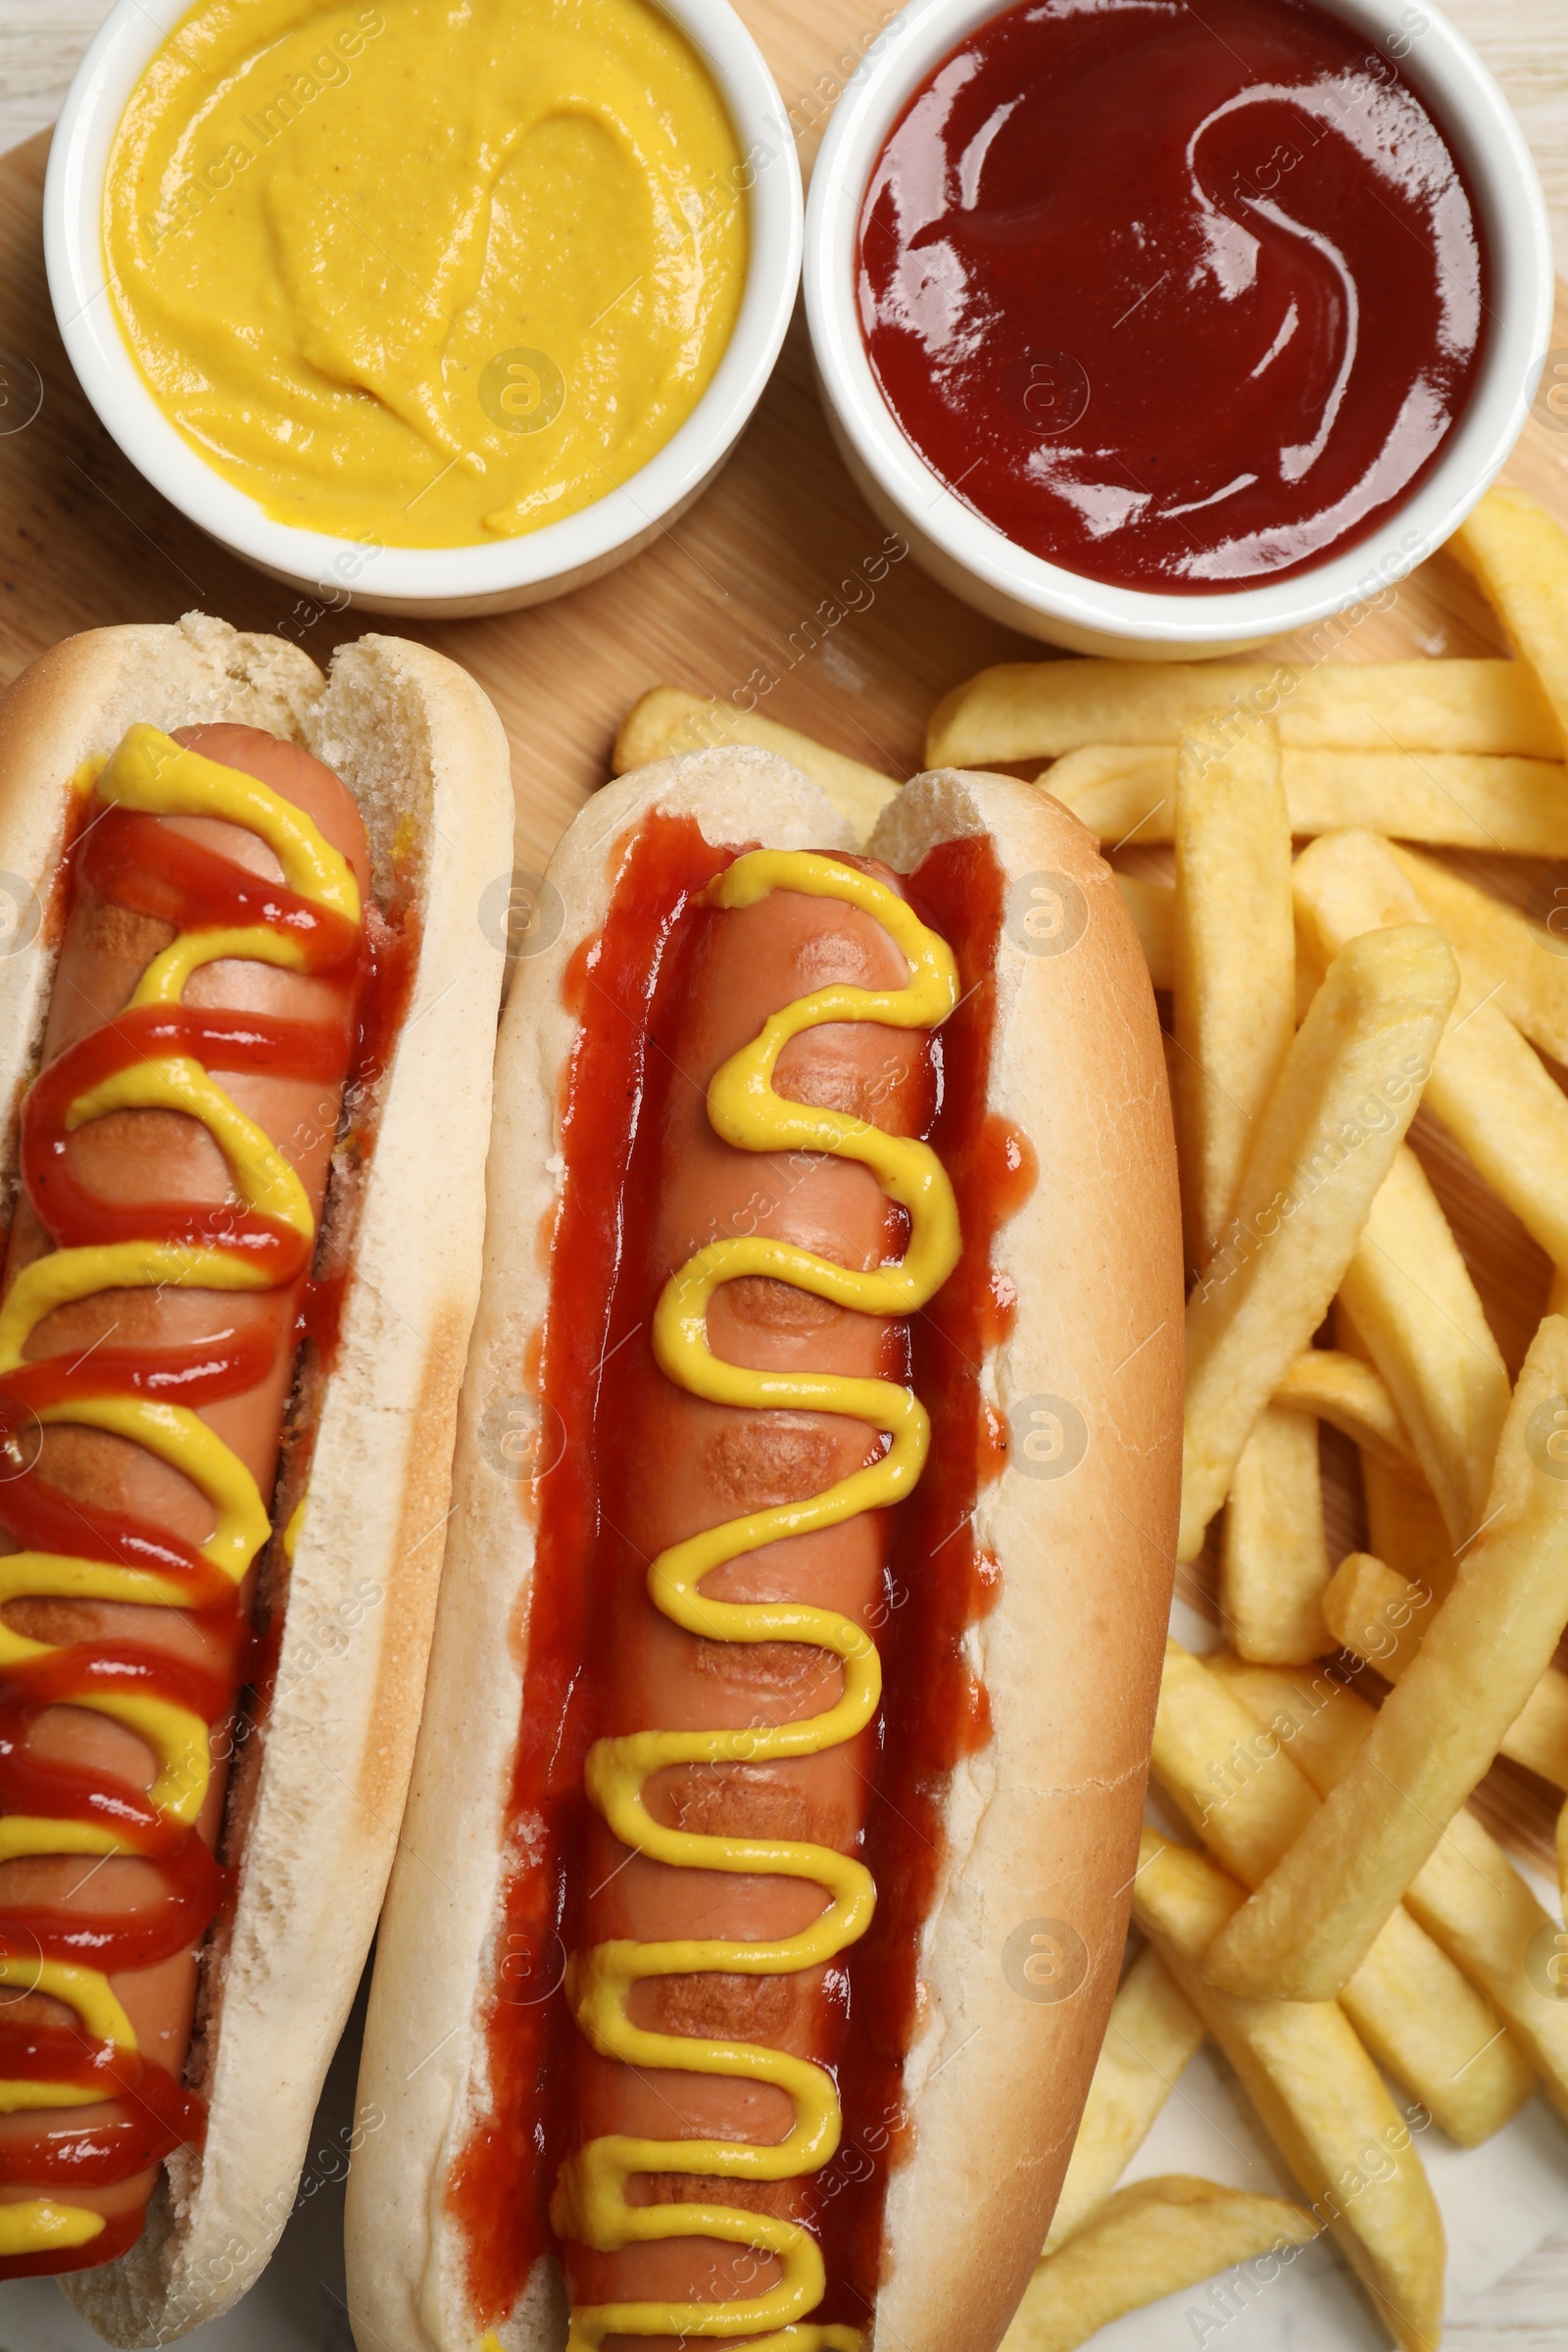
(1160,330)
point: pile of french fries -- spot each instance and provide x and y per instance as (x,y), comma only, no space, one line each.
(1343,1923)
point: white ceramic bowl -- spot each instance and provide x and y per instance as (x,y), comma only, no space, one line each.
(444,581)
(979,562)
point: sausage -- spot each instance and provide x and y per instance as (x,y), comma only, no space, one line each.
(132,1158)
(698,1464)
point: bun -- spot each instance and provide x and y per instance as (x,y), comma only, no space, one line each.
(1042,1821)
(313,1811)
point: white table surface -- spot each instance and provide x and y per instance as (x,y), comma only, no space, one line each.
(1525,42)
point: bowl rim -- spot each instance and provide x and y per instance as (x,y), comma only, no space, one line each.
(589,540)
(1474,118)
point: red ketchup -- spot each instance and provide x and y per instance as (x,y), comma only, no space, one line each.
(1177,300)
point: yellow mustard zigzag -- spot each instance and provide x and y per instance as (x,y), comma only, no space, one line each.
(151,773)
(590,2203)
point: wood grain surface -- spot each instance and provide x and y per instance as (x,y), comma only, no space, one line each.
(780,582)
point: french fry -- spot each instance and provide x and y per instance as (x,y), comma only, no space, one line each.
(668,720)
(1123,792)
(1449,799)
(1152,2034)
(1520,557)
(1408,1292)
(1415,2011)
(1274,1562)
(1320,2097)
(1040,710)
(1312,1921)
(1235,940)
(1487,1086)
(1538,1737)
(1380,1616)
(1320,1721)
(1236,1787)
(1352,1397)
(1405,1528)
(1153,907)
(1322,1146)
(1473,1901)
(1469,1897)
(1149,2241)
(1522,965)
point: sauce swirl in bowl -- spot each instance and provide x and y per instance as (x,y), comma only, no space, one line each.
(1177,303)
(424,275)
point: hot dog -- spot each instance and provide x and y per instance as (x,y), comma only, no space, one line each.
(764,1877)
(247,949)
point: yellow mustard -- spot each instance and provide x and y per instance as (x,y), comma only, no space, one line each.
(427,272)
(151,773)
(590,2203)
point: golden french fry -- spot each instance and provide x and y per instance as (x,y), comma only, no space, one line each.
(1231,1783)
(1520,964)
(1377,1614)
(668,720)
(1149,2241)
(1309,980)
(1123,792)
(1538,1737)
(1310,1710)
(1474,1903)
(1520,556)
(1487,1086)
(1416,2012)
(1351,1397)
(1152,2034)
(1310,1924)
(1040,710)
(1562,1861)
(1469,1897)
(1380,1616)
(1405,1527)
(1274,1562)
(1322,1144)
(1456,799)
(1409,1294)
(1322,2100)
(1235,940)
(1153,907)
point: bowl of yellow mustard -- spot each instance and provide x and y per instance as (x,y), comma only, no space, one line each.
(441,306)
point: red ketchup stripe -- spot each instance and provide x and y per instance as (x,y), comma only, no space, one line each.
(97,2155)
(195,1887)
(135,861)
(224,1364)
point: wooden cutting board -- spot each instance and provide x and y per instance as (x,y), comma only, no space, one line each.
(748,582)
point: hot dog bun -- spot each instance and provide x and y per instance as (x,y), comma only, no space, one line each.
(1042,1820)
(316,1801)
